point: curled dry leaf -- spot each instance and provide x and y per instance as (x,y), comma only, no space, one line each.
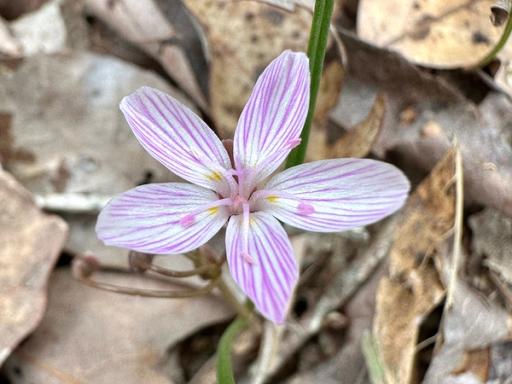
(92,336)
(9,45)
(433,33)
(423,113)
(492,239)
(359,140)
(66,134)
(500,369)
(468,329)
(243,37)
(30,243)
(42,31)
(500,11)
(413,288)
(145,24)
(13,9)
(503,76)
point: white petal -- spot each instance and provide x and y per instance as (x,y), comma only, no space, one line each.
(177,137)
(273,118)
(269,277)
(335,195)
(161,218)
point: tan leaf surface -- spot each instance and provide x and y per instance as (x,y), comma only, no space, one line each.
(503,76)
(30,243)
(492,239)
(359,140)
(414,288)
(434,33)
(62,132)
(469,327)
(91,336)
(243,37)
(144,24)
(13,9)
(9,45)
(423,112)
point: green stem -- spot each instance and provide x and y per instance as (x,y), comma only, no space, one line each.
(499,45)
(224,366)
(316,53)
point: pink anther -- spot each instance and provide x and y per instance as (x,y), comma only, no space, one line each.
(305,209)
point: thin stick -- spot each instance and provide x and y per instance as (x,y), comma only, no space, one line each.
(147,292)
(457,235)
(179,274)
(267,352)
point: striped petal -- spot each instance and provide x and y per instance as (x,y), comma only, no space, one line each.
(178,138)
(272,120)
(335,195)
(269,276)
(161,218)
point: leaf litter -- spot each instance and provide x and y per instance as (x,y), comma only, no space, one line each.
(381,104)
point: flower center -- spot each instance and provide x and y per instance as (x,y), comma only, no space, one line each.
(237,204)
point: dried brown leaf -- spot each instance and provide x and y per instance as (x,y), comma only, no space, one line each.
(9,45)
(413,288)
(13,9)
(472,323)
(92,336)
(476,362)
(492,239)
(500,11)
(144,24)
(243,37)
(42,31)
(434,33)
(423,112)
(359,140)
(67,125)
(30,243)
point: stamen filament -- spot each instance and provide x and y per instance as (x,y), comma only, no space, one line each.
(245,233)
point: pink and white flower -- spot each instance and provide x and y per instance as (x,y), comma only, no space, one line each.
(323,196)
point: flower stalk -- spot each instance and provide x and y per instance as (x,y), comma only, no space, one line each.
(316,53)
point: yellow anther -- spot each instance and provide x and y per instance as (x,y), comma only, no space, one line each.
(272,198)
(213,210)
(215,176)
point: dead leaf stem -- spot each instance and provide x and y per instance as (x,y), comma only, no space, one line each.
(457,234)
(148,292)
(268,349)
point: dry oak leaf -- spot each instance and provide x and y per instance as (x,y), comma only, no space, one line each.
(66,135)
(433,33)
(414,288)
(144,23)
(243,37)
(470,326)
(93,336)
(359,140)
(30,243)
(423,112)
